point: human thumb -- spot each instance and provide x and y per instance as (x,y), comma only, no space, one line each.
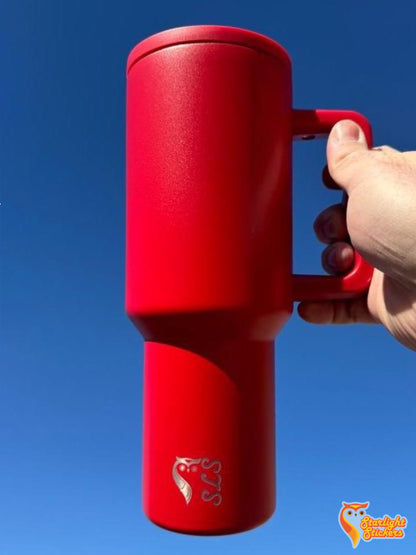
(347,151)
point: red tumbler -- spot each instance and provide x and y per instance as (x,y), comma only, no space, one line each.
(209,279)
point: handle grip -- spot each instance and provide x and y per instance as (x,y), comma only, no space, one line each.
(357,280)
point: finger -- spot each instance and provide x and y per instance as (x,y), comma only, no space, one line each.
(331,225)
(346,153)
(327,179)
(336,312)
(338,258)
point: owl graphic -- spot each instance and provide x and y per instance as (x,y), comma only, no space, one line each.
(184,464)
(349,519)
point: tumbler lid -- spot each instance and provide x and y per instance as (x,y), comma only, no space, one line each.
(206,33)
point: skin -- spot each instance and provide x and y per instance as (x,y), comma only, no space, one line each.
(380,222)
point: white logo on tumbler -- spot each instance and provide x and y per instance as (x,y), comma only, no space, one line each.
(212,479)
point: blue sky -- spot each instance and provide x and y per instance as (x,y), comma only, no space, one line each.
(71,374)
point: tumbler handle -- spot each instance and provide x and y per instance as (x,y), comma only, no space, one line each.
(356,282)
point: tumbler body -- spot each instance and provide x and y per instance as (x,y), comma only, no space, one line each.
(209,268)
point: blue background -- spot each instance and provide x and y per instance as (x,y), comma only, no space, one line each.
(71,379)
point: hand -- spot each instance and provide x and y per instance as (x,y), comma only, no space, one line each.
(380,221)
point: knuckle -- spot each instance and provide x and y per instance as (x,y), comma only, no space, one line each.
(347,159)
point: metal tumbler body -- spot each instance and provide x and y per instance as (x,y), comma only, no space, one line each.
(209,268)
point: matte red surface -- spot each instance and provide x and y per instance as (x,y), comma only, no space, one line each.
(209,265)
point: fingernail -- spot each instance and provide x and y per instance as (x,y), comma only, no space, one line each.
(347,130)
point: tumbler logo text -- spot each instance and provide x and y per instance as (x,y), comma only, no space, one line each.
(209,478)
(355,522)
